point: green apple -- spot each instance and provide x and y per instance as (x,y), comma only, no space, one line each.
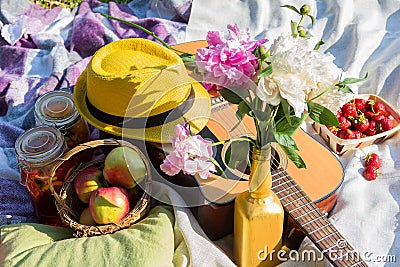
(124,167)
(109,204)
(87,181)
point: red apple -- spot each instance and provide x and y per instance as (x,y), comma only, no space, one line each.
(87,181)
(124,167)
(109,204)
(86,218)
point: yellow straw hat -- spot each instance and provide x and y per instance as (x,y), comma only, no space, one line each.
(138,89)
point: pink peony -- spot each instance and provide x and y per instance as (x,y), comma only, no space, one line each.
(192,154)
(229,62)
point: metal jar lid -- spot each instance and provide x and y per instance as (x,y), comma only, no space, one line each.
(39,146)
(56,108)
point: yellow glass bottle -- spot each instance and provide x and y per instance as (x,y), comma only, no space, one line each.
(258,216)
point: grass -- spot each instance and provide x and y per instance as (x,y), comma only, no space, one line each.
(69,4)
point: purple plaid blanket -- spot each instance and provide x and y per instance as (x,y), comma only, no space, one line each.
(43,50)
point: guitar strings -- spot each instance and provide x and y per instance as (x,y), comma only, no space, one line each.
(326,228)
(307,214)
(321,247)
(296,194)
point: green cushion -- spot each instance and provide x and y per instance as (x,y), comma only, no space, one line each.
(150,242)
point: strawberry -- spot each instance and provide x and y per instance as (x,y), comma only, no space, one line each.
(373,159)
(334,130)
(387,114)
(358,134)
(360,104)
(386,124)
(344,123)
(360,123)
(368,114)
(347,134)
(377,117)
(370,173)
(379,107)
(349,110)
(372,128)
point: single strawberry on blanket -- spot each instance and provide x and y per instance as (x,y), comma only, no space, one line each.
(374,160)
(370,173)
(372,164)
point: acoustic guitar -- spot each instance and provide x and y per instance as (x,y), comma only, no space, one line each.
(307,195)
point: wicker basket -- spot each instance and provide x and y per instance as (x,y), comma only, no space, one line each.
(340,146)
(70,207)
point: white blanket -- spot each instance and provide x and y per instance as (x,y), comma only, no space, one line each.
(364,36)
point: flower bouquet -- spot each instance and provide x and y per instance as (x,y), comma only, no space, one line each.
(277,85)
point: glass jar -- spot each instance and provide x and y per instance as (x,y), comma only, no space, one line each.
(56,108)
(37,150)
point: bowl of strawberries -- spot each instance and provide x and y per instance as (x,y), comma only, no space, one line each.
(364,120)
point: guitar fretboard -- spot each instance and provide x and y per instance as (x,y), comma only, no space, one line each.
(314,222)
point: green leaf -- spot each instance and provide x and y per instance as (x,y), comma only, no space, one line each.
(243,109)
(322,115)
(286,109)
(237,154)
(312,19)
(353,80)
(292,8)
(230,96)
(342,86)
(346,89)
(284,127)
(261,115)
(318,45)
(265,72)
(286,140)
(294,157)
(293,26)
(186,57)
(266,132)
(308,36)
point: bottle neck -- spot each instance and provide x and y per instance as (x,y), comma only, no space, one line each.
(260,179)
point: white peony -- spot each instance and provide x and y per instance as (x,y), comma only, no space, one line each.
(268,92)
(297,72)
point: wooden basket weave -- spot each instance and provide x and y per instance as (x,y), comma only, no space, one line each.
(70,207)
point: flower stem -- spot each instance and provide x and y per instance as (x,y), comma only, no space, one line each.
(219,168)
(301,19)
(145,30)
(233,140)
(323,92)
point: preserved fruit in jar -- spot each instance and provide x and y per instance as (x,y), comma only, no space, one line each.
(37,151)
(56,108)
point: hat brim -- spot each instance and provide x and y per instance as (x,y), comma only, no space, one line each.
(197,115)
